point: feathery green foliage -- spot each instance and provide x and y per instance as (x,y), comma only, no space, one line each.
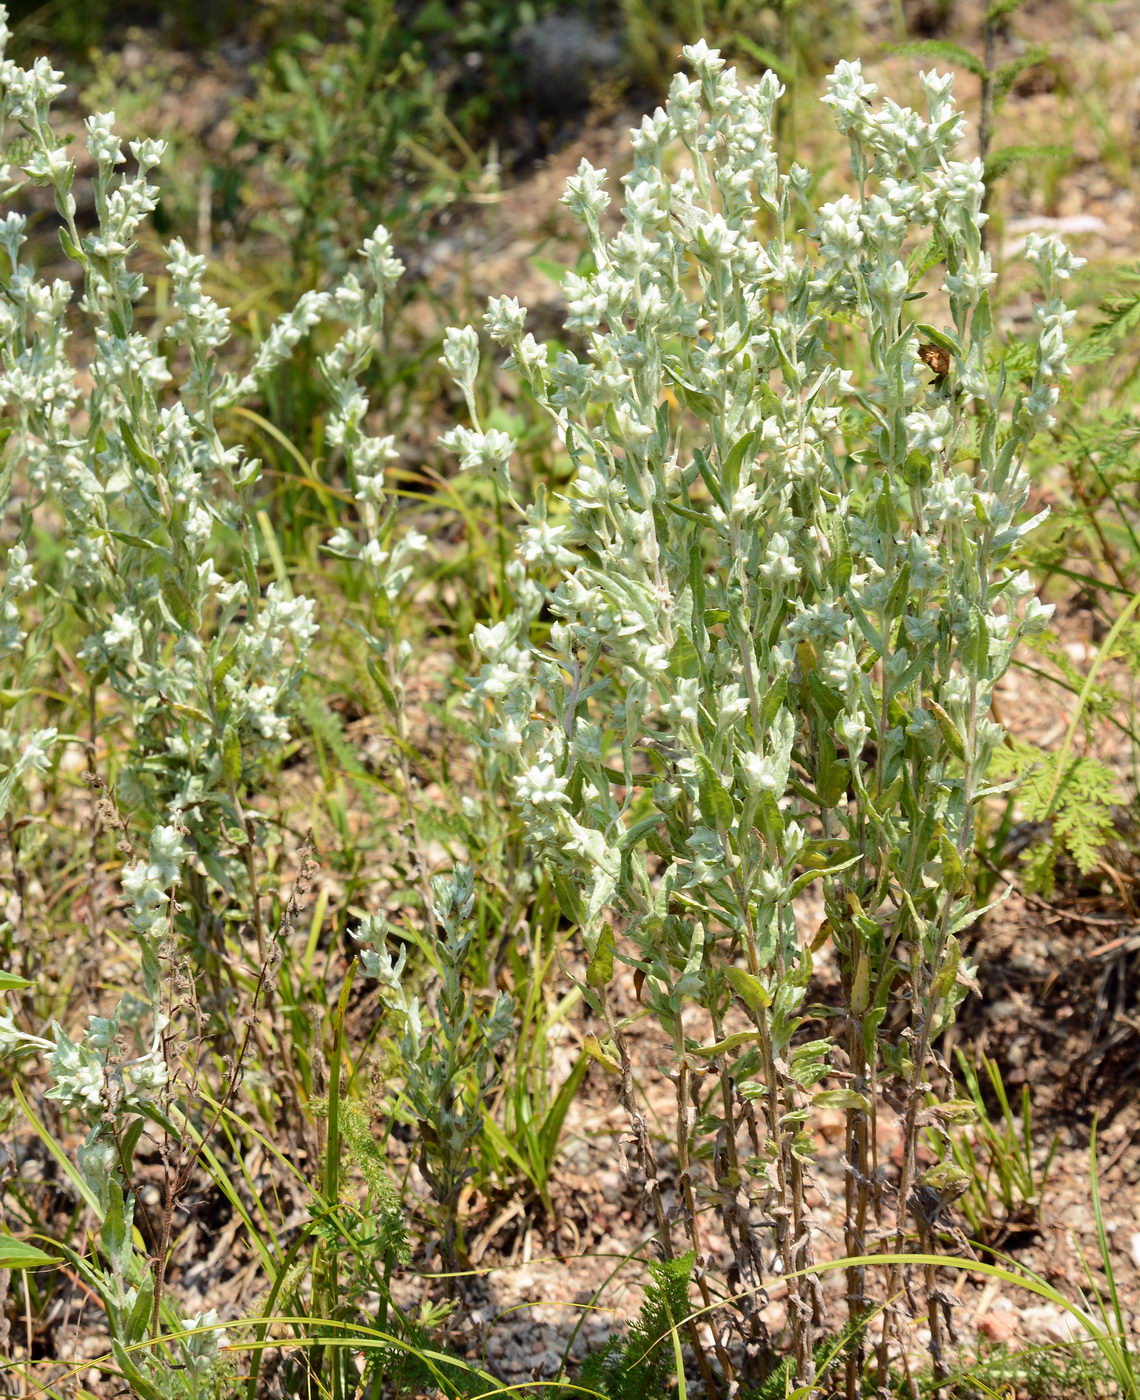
(643,1363)
(1075,795)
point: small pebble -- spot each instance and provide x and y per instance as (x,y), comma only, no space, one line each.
(998,1327)
(1050,1322)
(611,1185)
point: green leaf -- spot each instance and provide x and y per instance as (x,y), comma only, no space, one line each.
(772,702)
(138,1323)
(829,703)
(224,667)
(949,730)
(900,683)
(231,756)
(708,476)
(569,900)
(751,991)
(70,248)
(867,627)
(547,267)
(714,799)
(139,454)
(116,1231)
(801,882)
(380,680)
(687,511)
(615,775)
(138,542)
(503,1145)
(769,820)
(697,588)
(600,971)
(957,1113)
(551,1130)
(861,984)
(765,57)
(952,871)
(722,1047)
(684,659)
(948,972)
(735,459)
(978,656)
(1009,73)
(1002,160)
(16,1254)
(703,405)
(9,982)
(942,339)
(900,592)
(845,1099)
(831,776)
(982,324)
(947,52)
(176,599)
(189,712)
(839,569)
(946,1178)
(601,1055)
(639,829)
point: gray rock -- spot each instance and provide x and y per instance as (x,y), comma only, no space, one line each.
(564,56)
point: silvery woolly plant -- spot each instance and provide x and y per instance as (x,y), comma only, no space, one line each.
(114,438)
(776,603)
(121,446)
(118,443)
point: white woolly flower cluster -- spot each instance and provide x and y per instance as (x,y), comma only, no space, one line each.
(1055,264)
(147,883)
(359,302)
(89,1075)
(488,453)
(25,753)
(201,1348)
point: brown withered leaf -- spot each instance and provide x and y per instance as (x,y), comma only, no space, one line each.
(935,358)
